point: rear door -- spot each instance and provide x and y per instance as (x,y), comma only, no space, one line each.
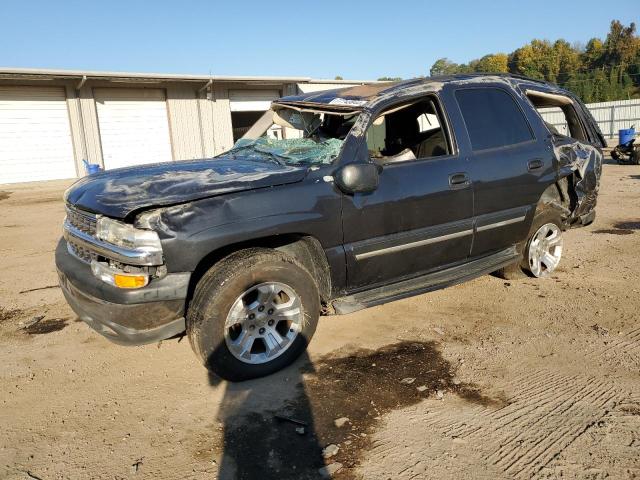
(510,167)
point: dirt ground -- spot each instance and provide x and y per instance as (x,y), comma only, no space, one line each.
(489,379)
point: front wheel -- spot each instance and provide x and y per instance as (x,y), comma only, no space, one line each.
(252,314)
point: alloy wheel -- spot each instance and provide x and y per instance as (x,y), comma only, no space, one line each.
(545,250)
(263,322)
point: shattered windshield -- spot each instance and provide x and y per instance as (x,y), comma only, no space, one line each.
(295,137)
(288,150)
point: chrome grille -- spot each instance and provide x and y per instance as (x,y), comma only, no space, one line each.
(86,223)
(82,253)
(83,221)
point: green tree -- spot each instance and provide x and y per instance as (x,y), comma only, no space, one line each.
(566,60)
(492,63)
(535,60)
(621,45)
(596,72)
(593,52)
(444,66)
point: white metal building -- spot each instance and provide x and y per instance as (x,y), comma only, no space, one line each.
(52,120)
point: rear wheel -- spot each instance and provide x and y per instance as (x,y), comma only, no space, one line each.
(252,314)
(541,252)
(635,156)
(544,250)
(511,272)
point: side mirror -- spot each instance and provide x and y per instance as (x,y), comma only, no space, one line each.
(358,177)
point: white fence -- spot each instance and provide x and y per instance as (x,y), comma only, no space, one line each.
(611,116)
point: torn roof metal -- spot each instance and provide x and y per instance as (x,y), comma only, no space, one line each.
(359,97)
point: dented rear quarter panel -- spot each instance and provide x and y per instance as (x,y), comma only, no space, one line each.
(581,164)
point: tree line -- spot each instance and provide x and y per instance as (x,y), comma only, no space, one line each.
(597,71)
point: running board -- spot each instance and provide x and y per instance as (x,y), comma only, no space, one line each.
(425,283)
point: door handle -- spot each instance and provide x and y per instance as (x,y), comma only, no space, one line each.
(536,164)
(459,180)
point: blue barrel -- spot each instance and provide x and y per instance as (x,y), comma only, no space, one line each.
(91,168)
(625,135)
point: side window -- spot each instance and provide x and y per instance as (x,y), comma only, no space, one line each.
(559,115)
(408,132)
(493,118)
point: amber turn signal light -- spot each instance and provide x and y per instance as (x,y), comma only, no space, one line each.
(130,281)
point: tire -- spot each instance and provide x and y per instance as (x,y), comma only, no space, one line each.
(522,269)
(546,217)
(511,272)
(635,156)
(258,282)
(615,155)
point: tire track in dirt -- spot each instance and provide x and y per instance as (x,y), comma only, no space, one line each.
(617,431)
(629,343)
(544,416)
(521,438)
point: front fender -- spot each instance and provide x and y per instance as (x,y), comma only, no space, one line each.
(192,231)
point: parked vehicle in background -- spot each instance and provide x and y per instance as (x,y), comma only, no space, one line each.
(627,151)
(355,197)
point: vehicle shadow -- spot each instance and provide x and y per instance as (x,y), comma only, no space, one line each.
(276,427)
(268,428)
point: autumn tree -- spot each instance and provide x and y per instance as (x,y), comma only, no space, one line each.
(599,71)
(493,63)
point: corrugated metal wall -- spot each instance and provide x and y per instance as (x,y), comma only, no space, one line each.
(611,116)
(221,120)
(185,123)
(198,113)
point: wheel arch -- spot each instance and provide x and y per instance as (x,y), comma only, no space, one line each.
(558,196)
(305,248)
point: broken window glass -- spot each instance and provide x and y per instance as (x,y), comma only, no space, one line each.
(288,150)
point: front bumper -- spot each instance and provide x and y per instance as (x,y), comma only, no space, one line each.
(127,317)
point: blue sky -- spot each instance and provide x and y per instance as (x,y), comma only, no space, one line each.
(354,39)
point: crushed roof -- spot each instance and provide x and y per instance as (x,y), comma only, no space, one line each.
(356,98)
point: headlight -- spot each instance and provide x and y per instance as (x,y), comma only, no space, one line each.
(118,278)
(127,236)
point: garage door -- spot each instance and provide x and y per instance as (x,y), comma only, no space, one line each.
(318,87)
(35,136)
(252,100)
(134,127)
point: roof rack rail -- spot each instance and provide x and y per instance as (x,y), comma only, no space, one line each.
(502,74)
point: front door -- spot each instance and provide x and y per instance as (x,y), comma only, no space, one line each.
(420,218)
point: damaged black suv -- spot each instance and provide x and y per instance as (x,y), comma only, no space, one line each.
(332,202)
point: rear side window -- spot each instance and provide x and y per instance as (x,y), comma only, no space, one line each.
(493,118)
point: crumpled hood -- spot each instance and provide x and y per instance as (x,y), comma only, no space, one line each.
(117,193)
